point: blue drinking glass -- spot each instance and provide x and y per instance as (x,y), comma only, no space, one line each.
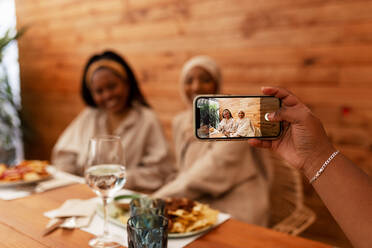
(147,205)
(147,231)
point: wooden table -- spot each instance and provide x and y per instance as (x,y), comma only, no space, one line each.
(22,222)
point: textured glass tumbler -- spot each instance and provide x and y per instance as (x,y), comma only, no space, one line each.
(146,205)
(147,231)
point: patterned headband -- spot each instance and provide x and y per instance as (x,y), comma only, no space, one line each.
(104,63)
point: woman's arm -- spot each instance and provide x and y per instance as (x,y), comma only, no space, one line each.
(251,128)
(221,125)
(156,163)
(238,128)
(229,127)
(73,143)
(66,161)
(347,193)
(344,188)
(223,166)
(244,129)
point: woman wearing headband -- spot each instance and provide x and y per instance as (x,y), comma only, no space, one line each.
(227,124)
(115,106)
(229,176)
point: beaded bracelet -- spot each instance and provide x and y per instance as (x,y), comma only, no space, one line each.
(320,171)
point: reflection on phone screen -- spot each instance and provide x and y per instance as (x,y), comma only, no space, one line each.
(236,117)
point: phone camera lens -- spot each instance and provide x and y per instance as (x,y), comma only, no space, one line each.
(267,117)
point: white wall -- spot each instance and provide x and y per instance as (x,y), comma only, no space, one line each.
(8,20)
(10,60)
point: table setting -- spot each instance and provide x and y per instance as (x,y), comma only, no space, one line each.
(87,217)
(69,213)
(147,222)
(25,220)
(53,178)
(106,177)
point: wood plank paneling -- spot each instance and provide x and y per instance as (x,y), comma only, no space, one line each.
(320,49)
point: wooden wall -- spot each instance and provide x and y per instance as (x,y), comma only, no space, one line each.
(251,108)
(319,49)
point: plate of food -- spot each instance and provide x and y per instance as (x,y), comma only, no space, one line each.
(26,172)
(186,217)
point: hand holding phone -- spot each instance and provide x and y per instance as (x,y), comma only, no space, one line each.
(304,141)
(235,117)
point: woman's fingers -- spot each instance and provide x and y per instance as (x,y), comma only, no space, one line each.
(288,99)
(270,91)
(284,114)
(289,103)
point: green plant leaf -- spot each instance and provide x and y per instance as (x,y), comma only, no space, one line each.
(8,37)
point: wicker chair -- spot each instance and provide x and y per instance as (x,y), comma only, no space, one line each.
(288,212)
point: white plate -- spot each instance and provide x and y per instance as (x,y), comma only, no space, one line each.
(22,183)
(170,235)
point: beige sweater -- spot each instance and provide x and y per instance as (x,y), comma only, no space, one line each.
(228,175)
(145,148)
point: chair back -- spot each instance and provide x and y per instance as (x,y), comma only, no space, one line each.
(288,212)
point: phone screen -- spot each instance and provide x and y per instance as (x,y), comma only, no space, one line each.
(235,117)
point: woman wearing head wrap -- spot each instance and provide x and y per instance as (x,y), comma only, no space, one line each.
(116,106)
(243,126)
(229,176)
(227,125)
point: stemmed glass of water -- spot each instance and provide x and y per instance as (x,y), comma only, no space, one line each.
(105,174)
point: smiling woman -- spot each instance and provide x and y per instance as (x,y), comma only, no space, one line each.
(228,176)
(109,90)
(116,106)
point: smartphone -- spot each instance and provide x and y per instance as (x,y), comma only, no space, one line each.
(235,117)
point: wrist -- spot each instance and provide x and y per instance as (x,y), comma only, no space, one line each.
(316,160)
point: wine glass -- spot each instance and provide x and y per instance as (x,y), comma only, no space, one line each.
(105,174)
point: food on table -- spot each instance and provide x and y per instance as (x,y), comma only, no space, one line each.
(186,215)
(2,168)
(31,176)
(123,201)
(119,213)
(28,170)
(120,209)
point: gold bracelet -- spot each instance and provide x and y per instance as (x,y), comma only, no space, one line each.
(320,171)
